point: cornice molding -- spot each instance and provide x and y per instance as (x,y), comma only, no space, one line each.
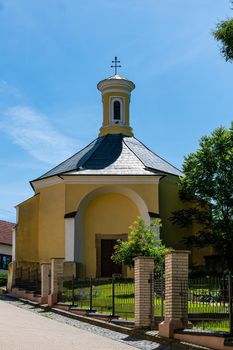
(50,181)
(111,179)
(109,90)
(115,83)
(97,180)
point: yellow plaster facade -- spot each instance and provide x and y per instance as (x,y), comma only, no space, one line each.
(41,230)
(51,226)
(27,230)
(112,214)
(76,193)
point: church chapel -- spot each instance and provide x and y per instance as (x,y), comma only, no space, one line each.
(83,205)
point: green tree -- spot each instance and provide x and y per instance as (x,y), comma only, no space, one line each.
(224,34)
(207,186)
(143,240)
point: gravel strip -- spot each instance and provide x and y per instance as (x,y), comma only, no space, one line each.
(140,344)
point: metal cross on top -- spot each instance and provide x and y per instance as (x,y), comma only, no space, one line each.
(116,65)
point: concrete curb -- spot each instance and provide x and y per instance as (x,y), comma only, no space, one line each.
(139,334)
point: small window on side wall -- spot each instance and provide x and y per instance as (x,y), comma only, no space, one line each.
(116,110)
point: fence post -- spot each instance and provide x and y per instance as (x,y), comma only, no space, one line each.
(37,279)
(113,296)
(72,290)
(57,265)
(176,292)
(45,281)
(144,291)
(230,302)
(91,294)
(162,291)
(12,272)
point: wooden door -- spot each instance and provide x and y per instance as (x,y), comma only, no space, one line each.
(108,267)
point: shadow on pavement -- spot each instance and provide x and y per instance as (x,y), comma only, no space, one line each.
(157,346)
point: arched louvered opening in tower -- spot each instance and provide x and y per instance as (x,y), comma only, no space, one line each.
(117,110)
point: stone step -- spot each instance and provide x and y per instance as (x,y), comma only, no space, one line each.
(104,317)
(125,323)
(63,306)
(81,311)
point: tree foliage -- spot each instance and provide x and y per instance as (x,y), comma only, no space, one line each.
(207,186)
(143,240)
(224,34)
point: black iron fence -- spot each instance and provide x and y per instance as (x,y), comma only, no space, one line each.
(159,294)
(28,277)
(112,296)
(210,302)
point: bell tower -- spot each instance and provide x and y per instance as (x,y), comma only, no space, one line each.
(116,92)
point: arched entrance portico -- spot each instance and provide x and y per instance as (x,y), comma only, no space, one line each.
(103,216)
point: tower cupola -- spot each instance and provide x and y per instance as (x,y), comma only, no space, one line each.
(116,92)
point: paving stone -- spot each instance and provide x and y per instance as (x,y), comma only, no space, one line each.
(119,340)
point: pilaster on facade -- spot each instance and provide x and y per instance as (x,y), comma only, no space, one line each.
(69,238)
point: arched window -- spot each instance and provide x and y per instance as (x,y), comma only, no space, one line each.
(117,110)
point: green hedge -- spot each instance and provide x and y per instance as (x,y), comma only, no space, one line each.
(3,279)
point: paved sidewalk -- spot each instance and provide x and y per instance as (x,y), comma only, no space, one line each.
(24,330)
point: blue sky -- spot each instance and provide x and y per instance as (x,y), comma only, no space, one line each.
(54,52)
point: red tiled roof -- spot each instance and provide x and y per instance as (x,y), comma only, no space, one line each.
(6,232)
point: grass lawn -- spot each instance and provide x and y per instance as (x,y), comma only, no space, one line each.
(218,325)
(124,301)
(102,297)
(204,307)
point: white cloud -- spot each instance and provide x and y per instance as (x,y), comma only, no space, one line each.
(8,89)
(33,132)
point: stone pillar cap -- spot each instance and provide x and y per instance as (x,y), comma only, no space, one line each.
(143,257)
(178,252)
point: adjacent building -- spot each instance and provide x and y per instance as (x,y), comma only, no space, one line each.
(6,229)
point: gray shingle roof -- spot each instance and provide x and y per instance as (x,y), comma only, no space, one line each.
(150,159)
(124,162)
(114,155)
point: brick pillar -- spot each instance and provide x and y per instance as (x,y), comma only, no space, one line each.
(176,292)
(144,292)
(45,282)
(11,275)
(57,266)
